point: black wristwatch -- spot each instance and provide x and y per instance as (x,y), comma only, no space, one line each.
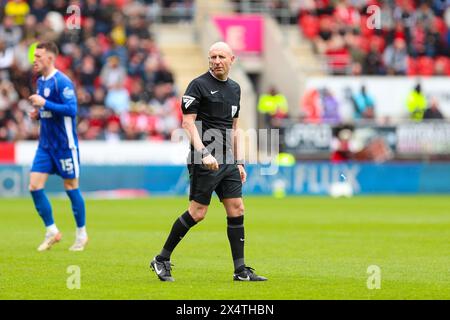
(240,162)
(205,152)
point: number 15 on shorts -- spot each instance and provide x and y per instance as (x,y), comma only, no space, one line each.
(66,164)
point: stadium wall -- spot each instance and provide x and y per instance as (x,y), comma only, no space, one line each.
(115,181)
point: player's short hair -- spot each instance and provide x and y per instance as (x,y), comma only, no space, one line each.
(49,46)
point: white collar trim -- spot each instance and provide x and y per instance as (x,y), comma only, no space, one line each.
(50,75)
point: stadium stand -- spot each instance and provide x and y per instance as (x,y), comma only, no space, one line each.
(125,87)
(126,80)
(341,32)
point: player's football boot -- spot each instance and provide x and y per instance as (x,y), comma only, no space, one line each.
(79,244)
(248,274)
(49,241)
(162,269)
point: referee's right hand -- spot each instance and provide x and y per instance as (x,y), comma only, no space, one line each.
(210,163)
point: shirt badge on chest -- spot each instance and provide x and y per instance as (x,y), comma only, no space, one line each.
(46,92)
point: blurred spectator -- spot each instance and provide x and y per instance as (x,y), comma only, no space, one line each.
(337,55)
(447,19)
(8,96)
(91,128)
(418,41)
(162,74)
(364,104)
(21,61)
(310,106)
(273,106)
(136,65)
(424,15)
(340,146)
(113,131)
(118,32)
(99,96)
(84,102)
(433,111)
(17,9)
(416,103)
(31,29)
(347,16)
(6,60)
(88,73)
(137,93)
(118,99)
(373,62)
(356,50)
(10,33)
(395,57)
(330,107)
(39,9)
(164,106)
(112,73)
(59,6)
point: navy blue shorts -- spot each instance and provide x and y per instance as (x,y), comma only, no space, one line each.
(63,162)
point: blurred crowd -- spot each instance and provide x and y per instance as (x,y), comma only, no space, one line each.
(374,37)
(378,37)
(125,88)
(321,104)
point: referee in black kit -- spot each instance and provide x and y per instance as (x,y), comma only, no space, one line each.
(210,113)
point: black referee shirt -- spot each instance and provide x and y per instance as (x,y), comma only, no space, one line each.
(216,103)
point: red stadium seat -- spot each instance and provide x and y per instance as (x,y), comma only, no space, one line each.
(128,83)
(327,19)
(426,66)
(309,26)
(63,63)
(98,82)
(411,66)
(379,41)
(338,60)
(365,31)
(439,23)
(363,43)
(442,66)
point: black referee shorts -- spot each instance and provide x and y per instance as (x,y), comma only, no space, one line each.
(226,182)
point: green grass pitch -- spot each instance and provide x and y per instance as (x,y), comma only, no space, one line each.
(308,247)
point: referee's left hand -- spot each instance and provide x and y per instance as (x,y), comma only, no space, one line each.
(242,173)
(36,100)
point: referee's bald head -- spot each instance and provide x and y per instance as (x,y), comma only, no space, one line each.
(220,45)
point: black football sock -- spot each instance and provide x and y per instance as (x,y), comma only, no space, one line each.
(180,227)
(235,233)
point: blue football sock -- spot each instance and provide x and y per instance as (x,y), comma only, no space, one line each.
(43,206)
(78,208)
